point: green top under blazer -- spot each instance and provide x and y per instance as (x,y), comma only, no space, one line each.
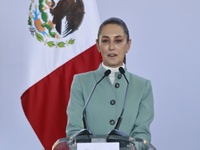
(102,112)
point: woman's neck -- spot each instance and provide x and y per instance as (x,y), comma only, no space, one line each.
(113,71)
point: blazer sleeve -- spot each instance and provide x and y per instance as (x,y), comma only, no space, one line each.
(74,109)
(145,114)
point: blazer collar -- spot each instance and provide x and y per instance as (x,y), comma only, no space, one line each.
(101,71)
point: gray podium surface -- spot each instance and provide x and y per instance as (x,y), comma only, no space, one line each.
(126,143)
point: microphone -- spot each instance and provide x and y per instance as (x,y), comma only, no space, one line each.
(85,131)
(116,130)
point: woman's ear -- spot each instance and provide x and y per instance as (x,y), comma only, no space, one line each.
(128,46)
(97,44)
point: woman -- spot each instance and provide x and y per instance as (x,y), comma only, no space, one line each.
(106,103)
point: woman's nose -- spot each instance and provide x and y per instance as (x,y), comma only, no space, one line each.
(111,46)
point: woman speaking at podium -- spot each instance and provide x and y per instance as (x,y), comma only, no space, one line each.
(116,91)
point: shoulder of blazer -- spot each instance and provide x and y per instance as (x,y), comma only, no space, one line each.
(86,75)
(94,75)
(137,78)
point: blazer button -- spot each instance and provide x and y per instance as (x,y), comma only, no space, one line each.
(119,76)
(112,122)
(112,102)
(117,85)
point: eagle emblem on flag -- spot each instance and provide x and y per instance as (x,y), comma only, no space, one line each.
(51,22)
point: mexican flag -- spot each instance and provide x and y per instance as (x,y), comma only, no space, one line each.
(59,42)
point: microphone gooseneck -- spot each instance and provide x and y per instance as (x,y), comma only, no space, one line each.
(122,71)
(116,130)
(80,136)
(106,73)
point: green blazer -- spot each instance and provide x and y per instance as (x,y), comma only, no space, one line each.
(106,104)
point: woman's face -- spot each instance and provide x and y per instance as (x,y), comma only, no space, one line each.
(113,45)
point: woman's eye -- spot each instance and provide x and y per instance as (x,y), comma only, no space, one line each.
(118,41)
(105,41)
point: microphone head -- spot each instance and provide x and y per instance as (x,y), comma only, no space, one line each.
(107,72)
(121,70)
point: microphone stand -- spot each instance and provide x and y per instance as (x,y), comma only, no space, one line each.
(85,132)
(116,132)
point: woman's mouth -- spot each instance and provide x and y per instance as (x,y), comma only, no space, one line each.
(112,55)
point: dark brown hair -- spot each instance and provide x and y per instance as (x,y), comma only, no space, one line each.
(117,21)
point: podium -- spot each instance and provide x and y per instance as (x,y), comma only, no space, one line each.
(125,143)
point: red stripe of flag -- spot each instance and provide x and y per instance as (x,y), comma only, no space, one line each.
(45,102)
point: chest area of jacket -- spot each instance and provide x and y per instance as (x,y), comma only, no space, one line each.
(111,98)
